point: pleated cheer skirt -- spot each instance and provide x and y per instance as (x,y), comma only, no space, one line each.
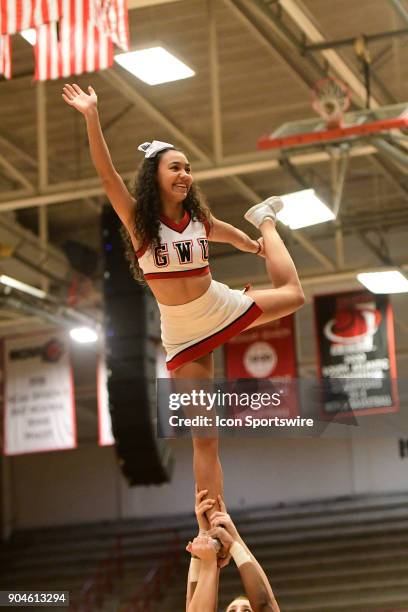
(192,330)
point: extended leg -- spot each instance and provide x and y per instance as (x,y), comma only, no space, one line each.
(286,296)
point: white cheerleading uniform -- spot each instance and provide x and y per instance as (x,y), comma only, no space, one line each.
(196,328)
(183,250)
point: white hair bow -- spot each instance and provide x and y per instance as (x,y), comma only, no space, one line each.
(151,149)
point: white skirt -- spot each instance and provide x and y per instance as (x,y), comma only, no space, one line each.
(192,330)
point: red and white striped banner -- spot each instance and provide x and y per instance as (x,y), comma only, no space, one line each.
(82,47)
(19,15)
(116,19)
(83,43)
(5,56)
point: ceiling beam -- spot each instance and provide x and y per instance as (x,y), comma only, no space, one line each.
(307,24)
(320,279)
(348,42)
(13,173)
(215,82)
(272,37)
(265,164)
(78,190)
(26,157)
(400,10)
(42,144)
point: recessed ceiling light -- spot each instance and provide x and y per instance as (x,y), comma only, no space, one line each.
(83,335)
(20,286)
(304,208)
(390,281)
(154,65)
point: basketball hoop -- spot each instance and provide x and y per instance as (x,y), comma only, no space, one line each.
(331,98)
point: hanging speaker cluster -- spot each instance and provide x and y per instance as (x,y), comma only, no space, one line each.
(132,329)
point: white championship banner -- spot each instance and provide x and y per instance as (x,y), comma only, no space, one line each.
(39,404)
(104,419)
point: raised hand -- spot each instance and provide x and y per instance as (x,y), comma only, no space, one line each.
(223,536)
(223,519)
(226,540)
(203,548)
(201,507)
(76,97)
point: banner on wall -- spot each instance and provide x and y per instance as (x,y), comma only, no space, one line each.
(356,352)
(39,406)
(105,435)
(267,351)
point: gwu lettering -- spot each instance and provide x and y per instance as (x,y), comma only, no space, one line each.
(184,251)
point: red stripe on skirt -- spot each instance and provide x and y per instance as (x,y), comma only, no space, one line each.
(205,346)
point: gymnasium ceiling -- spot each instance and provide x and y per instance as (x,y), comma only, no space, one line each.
(250,78)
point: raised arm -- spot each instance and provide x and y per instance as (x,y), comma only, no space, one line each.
(115,188)
(225,232)
(254,579)
(205,594)
(202,505)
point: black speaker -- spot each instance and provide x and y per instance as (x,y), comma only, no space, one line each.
(132,326)
(81,257)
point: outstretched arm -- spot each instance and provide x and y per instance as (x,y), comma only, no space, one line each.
(205,594)
(254,579)
(115,188)
(225,232)
(202,505)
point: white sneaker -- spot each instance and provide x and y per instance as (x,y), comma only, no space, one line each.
(268,209)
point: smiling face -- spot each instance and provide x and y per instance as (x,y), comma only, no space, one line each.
(174,176)
(241,604)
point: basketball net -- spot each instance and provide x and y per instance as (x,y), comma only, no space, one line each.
(331,98)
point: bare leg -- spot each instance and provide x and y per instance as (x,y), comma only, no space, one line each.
(286,296)
(206,463)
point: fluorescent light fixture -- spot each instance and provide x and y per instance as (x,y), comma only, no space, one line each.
(390,281)
(16,284)
(154,65)
(29,35)
(303,208)
(83,335)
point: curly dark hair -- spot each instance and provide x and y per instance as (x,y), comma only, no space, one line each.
(146,222)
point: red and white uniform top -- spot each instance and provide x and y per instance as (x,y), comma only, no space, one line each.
(183,250)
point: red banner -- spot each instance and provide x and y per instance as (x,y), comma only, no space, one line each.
(267,351)
(356,352)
